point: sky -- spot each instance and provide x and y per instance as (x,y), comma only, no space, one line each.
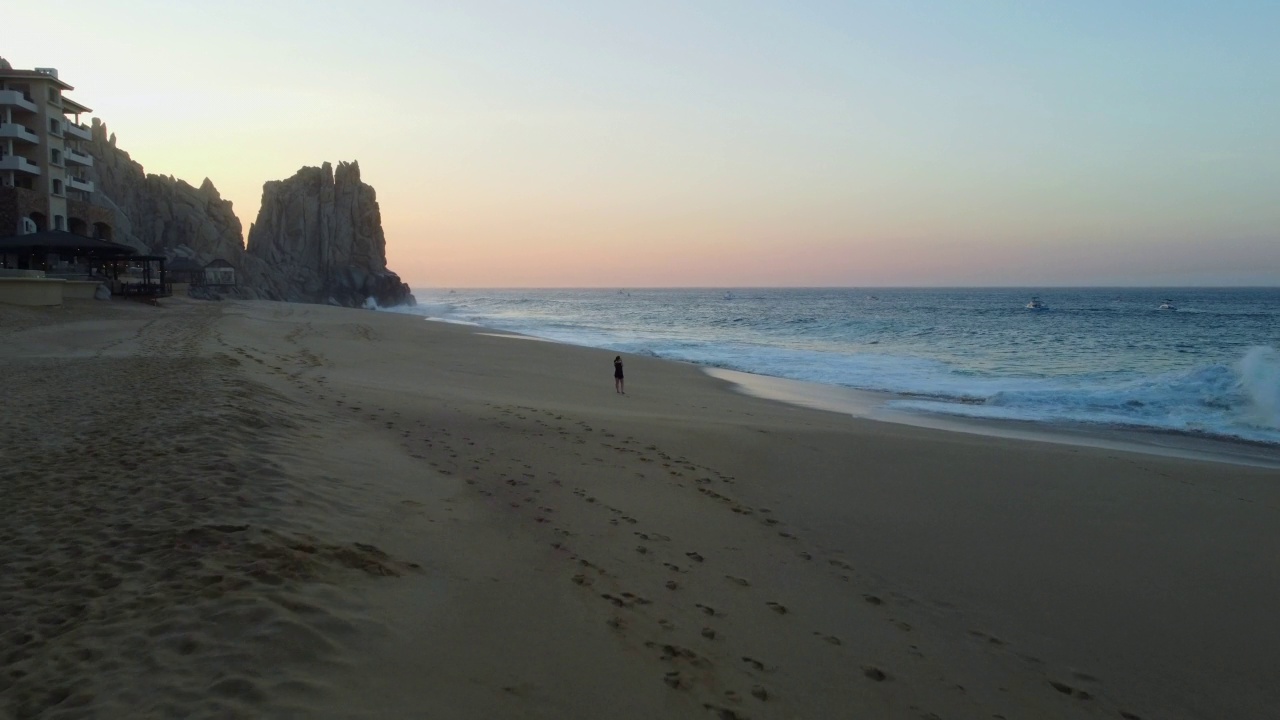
(722,143)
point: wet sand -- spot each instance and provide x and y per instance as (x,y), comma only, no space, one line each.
(274,510)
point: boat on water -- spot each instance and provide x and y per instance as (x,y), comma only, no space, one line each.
(728,295)
(1036,304)
(1167,305)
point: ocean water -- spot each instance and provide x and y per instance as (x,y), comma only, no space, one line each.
(1095,357)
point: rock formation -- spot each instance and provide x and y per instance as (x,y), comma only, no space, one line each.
(162,215)
(319,237)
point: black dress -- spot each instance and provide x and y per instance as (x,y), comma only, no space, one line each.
(617,369)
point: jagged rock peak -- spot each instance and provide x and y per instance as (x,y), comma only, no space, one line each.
(319,238)
(207,188)
(101,136)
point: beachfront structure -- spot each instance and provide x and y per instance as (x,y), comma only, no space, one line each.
(219,273)
(44,162)
(28,278)
(186,271)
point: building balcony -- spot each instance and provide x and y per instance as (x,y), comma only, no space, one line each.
(21,132)
(81,184)
(19,163)
(15,98)
(76,157)
(78,131)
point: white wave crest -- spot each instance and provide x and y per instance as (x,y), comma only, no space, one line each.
(1259,371)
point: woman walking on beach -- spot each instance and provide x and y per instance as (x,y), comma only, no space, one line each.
(617,375)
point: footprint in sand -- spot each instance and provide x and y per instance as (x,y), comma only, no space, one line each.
(984,636)
(706,609)
(737,580)
(874,673)
(1066,689)
(777,607)
(694,556)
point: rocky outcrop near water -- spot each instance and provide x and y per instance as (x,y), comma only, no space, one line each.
(318,238)
(161,214)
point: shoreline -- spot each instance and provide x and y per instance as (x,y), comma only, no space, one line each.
(1209,402)
(869,405)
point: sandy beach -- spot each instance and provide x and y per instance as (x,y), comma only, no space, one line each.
(274,510)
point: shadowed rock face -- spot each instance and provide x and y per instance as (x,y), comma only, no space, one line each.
(318,238)
(159,214)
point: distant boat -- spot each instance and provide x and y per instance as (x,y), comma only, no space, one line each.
(728,295)
(1036,304)
(1167,305)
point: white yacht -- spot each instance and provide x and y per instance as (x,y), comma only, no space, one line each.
(1036,304)
(1167,305)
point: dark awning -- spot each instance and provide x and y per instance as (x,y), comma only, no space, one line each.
(185,264)
(61,241)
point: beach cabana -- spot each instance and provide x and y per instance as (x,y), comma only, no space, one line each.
(219,272)
(186,270)
(141,276)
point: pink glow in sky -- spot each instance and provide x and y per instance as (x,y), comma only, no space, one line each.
(741,144)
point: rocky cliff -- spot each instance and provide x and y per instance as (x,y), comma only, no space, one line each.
(159,214)
(319,237)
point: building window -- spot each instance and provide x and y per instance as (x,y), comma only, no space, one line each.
(53,95)
(55,127)
(55,156)
(57,187)
(58,222)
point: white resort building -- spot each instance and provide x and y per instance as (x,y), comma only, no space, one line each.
(44,183)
